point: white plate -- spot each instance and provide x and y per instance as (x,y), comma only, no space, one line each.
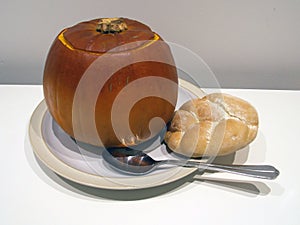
(62,155)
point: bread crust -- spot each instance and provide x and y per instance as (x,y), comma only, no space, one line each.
(217,124)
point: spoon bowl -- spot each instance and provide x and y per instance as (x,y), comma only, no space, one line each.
(130,161)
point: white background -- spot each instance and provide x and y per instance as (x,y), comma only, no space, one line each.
(31,194)
(247,44)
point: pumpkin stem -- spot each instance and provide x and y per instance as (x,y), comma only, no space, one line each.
(111,25)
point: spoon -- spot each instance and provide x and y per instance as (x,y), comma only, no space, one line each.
(136,162)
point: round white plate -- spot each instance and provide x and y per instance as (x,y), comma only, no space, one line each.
(65,157)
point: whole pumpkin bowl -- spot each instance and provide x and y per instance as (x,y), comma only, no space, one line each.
(110,82)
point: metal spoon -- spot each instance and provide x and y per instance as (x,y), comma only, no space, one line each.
(137,162)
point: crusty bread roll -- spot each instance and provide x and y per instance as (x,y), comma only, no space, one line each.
(217,124)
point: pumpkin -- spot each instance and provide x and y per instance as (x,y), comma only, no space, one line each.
(106,81)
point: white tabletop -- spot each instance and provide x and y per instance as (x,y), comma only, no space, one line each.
(31,193)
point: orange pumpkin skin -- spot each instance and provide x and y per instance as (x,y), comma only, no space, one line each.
(91,78)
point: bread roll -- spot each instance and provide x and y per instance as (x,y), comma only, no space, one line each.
(217,124)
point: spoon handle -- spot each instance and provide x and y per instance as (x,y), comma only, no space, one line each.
(257,171)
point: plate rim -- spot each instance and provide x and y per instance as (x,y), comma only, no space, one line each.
(43,152)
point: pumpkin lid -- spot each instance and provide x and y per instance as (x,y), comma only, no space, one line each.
(103,35)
